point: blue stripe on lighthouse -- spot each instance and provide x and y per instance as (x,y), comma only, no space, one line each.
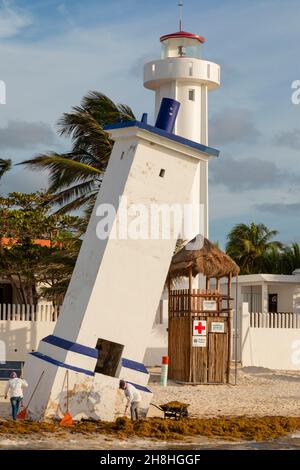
(70,346)
(55,362)
(49,359)
(90,352)
(138,366)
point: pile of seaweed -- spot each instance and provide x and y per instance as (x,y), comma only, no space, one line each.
(230,428)
(174,405)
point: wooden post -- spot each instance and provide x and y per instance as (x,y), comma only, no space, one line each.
(207,283)
(190,290)
(169,313)
(229,324)
(190,319)
(236,328)
(219,299)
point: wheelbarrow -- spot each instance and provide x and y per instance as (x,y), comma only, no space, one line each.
(175,410)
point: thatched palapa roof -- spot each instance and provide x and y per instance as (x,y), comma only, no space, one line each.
(202,256)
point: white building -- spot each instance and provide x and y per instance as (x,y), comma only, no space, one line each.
(269,293)
(267,320)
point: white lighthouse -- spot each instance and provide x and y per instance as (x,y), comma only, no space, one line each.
(183,75)
(108,312)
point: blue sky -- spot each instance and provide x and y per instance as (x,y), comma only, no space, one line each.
(52,52)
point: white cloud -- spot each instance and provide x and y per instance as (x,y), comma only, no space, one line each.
(12,20)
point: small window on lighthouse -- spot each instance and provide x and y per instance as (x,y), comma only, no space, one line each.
(153,68)
(192,95)
(191,69)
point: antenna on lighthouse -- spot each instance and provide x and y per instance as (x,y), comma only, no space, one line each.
(180,5)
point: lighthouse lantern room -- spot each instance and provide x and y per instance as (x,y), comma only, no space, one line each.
(183,75)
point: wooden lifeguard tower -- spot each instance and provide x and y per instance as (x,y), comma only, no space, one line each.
(200,321)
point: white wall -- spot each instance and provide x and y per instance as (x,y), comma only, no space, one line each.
(273,348)
(22,337)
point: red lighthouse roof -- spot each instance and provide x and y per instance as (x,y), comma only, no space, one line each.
(183,34)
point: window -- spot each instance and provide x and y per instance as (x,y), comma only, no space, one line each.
(109,357)
(122,155)
(192,95)
(162,173)
(191,69)
(153,68)
(273,303)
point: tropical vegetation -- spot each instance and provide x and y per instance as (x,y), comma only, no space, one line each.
(254,249)
(5,165)
(38,250)
(75,177)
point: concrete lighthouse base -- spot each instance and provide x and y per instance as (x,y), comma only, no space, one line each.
(85,396)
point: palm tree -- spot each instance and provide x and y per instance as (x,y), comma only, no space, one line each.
(291,258)
(5,165)
(249,244)
(272,262)
(75,177)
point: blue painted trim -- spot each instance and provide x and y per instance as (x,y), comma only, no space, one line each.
(140,387)
(155,130)
(138,366)
(43,357)
(49,359)
(70,346)
(90,352)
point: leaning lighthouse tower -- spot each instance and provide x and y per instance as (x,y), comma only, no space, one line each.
(182,74)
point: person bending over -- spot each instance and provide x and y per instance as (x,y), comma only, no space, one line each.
(133,399)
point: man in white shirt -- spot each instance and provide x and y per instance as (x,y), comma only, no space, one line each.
(14,388)
(133,398)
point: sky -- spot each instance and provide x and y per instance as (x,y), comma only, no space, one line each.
(53,52)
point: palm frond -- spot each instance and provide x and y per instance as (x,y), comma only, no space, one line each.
(5,165)
(71,174)
(78,203)
(73,192)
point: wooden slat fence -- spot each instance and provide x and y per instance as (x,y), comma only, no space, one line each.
(33,313)
(274,320)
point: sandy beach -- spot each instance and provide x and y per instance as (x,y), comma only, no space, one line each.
(259,392)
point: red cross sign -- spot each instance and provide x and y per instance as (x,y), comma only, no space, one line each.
(199,328)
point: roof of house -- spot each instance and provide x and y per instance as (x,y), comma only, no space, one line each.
(259,278)
(11,241)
